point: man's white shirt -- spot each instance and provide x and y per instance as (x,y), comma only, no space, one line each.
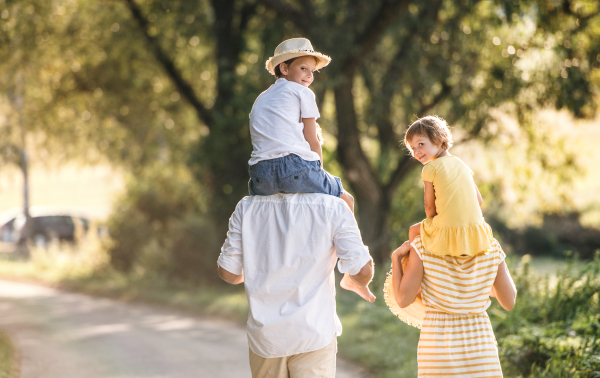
(287,246)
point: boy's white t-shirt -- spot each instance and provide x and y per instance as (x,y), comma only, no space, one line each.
(276,126)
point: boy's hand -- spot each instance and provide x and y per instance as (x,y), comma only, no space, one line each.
(401,251)
(348,284)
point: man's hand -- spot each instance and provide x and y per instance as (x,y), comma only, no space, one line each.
(349,284)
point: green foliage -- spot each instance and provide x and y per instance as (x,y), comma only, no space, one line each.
(554,330)
(560,235)
(146,82)
(157,227)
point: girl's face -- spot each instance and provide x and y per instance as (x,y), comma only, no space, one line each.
(423,149)
(300,70)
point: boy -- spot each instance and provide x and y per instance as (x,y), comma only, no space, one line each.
(287,154)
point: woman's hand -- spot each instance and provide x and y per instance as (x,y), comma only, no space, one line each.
(401,251)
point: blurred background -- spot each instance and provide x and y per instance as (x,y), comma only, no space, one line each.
(130,118)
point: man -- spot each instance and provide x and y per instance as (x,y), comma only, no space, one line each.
(284,247)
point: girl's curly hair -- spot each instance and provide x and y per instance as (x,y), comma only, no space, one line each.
(434,128)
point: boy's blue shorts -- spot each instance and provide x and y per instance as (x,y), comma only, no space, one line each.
(292,174)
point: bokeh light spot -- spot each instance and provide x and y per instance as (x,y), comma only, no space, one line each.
(194,41)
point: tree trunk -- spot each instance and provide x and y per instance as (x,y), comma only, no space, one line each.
(223,155)
(372,202)
(24,164)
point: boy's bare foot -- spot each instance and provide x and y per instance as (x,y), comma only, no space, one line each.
(364,292)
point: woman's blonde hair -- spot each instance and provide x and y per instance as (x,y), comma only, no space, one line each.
(434,128)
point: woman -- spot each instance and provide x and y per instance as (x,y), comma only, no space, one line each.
(457,339)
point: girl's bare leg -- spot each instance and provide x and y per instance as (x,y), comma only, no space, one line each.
(348,199)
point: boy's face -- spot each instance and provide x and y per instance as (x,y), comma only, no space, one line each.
(300,70)
(424,150)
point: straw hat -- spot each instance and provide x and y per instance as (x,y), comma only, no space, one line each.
(412,315)
(294,48)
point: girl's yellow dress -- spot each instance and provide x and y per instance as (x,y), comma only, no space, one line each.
(459,227)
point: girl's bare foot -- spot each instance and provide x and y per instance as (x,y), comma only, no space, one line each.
(364,292)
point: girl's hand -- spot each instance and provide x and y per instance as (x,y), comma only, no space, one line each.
(401,251)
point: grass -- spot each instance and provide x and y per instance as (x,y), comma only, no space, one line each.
(374,337)
(7,365)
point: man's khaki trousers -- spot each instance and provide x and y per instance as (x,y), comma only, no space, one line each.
(317,364)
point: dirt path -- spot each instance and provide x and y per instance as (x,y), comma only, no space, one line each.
(65,335)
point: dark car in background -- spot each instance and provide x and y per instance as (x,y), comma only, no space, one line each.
(46,224)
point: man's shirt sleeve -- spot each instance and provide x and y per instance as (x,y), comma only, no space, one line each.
(351,251)
(230,258)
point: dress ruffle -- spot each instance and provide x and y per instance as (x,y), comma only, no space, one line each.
(468,240)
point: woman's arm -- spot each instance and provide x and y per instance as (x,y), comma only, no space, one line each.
(310,134)
(406,283)
(479,199)
(504,288)
(430,209)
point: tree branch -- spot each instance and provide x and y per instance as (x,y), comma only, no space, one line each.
(247,12)
(182,85)
(395,71)
(387,13)
(445,92)
(289,13)
(406,163)
(308,10)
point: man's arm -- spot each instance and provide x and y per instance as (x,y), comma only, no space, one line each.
(230,261)
(355,261)
(365,275)
(230,277)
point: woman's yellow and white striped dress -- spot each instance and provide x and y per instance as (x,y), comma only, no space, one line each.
(457,339)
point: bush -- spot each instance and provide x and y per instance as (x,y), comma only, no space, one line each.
(558,234)
(554,330)
(158,227)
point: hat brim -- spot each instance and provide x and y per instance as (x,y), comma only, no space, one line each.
(274,61)
(412,315)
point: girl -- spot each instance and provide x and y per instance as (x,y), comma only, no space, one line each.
(454,265)
(287,154)
(456,338)
(454,224)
